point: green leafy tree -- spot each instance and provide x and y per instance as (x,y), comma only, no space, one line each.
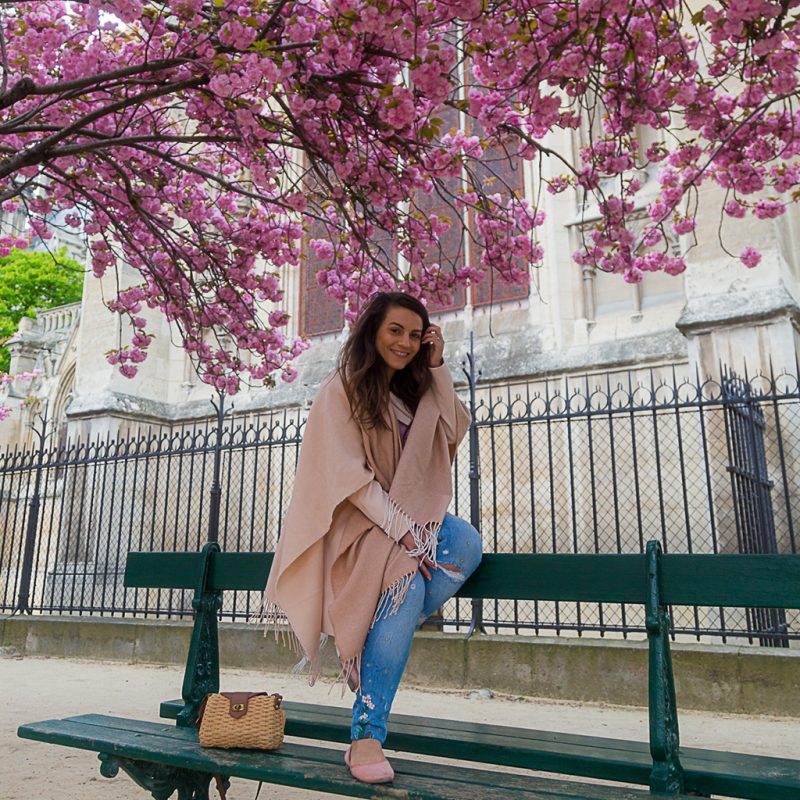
(31,281)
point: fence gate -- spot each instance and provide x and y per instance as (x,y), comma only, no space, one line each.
(752,498)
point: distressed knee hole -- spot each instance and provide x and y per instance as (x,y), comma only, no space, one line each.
(452,571)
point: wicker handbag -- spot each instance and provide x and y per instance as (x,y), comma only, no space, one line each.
(249,720)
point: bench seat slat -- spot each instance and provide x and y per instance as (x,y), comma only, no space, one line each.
(308,767)
(333,723)
(738,774)
(741,775)
(744,775)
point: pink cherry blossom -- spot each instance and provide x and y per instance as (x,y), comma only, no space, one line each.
(202,149)
(750,257)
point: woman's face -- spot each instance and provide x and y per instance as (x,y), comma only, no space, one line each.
(398,338)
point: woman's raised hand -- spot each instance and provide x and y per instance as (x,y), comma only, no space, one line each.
(435,341)
(425,564)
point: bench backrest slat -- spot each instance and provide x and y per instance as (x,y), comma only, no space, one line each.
(705,580)
(163,570)
(731,580)
(608,578)
(227,571)
(245,571)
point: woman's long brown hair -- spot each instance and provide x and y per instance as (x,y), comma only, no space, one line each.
(363,371)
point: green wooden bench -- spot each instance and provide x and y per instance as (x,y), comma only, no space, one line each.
(163,757)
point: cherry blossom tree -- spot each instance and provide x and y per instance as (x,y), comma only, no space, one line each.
(197,140)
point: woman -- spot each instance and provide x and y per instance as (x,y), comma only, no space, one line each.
(367,550)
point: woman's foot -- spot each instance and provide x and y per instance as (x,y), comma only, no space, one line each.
(367,763)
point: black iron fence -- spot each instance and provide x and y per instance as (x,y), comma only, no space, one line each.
(597,464)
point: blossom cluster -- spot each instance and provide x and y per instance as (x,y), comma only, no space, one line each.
(201,143)
(6,380)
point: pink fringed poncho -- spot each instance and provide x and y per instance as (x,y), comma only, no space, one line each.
(336,570)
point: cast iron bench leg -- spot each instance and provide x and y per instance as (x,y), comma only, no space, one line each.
(159,779)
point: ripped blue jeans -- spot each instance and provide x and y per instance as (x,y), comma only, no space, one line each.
(388,643)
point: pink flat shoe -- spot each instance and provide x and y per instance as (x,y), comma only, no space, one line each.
(367,763)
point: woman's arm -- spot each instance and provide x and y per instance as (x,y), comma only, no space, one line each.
(454,414)
(373,501)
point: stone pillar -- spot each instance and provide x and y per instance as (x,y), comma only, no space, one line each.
(750,332)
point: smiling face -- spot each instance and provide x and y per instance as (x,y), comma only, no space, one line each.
(398,338)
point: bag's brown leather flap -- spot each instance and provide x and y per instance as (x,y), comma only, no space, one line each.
(238,702)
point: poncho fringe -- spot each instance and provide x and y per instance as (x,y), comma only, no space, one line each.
(274,619)
(425,536)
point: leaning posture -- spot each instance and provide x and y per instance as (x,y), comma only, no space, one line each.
(367,550)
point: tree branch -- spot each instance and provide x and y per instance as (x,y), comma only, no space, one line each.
(210,176)
(25,87)
(104,143)
(35,153)
(273,17)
